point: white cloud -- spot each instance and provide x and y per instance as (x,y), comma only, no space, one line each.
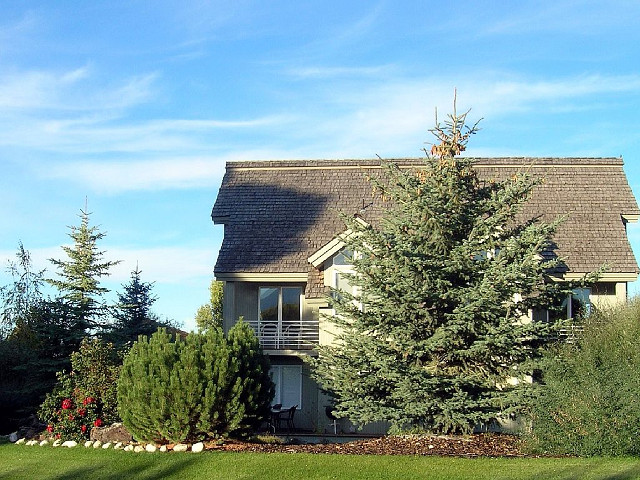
(566,16)
(168,264)
(113,177)
(382,117)
(330,72)
(172,265)
(126,175)
(64,91)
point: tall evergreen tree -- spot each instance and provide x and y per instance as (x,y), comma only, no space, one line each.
(133,315)
(79,276)
(36,340)
(434,336)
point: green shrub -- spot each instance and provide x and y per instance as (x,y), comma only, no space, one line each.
(195,388)
(588,401)
(85,397)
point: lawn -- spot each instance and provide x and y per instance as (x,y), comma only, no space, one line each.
(22,462)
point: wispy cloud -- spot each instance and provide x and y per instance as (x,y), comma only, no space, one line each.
(173,265)
(567,16)
(114,177)
(126,175)
(167,264)
(37,90)
(332,72)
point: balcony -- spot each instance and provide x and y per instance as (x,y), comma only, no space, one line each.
(286,335)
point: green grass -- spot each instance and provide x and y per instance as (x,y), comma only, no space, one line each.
(42,463)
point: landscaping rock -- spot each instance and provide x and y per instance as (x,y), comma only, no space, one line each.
(113,433)
(57,443)
(163,448)
(150,448)
(197,447)
(97,444)
(32,428)
(180,447)
(69,444)
(13,437)
(21,441)
(138,449)
(88,444)
(44,443)
(106,445)
(128,448)
(118,446)
(31,443)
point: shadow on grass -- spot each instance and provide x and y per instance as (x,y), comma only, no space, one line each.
(151,471)
(583,471)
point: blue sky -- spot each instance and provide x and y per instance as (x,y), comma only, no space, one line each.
(136,106)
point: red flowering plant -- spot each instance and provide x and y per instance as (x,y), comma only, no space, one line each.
(84,398)
(69,413)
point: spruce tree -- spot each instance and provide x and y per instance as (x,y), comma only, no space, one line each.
(79,276)
(435,336)
(133,315)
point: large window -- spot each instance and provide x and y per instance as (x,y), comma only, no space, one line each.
(280,316)
(288,385)
(575,305)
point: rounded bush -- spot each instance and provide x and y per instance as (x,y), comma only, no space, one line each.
(191,389)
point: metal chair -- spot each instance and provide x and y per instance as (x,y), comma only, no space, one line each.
(287,416)
(269,335)
(274,417)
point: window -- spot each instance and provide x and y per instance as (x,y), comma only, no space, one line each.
(342,264)
(604,288)
(577,304)
(280,315)
(288,385)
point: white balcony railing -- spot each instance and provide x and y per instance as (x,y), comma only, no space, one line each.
(571,333)
(286,335)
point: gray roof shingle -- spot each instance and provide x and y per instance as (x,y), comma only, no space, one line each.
(278,213)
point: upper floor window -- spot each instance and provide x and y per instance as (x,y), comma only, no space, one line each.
(280,317)
(280,304)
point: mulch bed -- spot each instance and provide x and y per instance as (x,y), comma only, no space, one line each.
(478,445)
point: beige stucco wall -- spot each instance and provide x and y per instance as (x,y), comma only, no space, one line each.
(608,301)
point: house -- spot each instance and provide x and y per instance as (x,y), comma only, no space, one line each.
(282,251)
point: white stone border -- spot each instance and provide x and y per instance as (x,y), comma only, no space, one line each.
(126,447)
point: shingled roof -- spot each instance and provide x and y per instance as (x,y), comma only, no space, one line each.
(279,213)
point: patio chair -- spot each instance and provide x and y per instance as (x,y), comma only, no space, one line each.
(274,418)
(287,417)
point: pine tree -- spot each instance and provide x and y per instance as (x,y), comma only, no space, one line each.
(435,339)
(133,315)
(195,388)
(79,276)
(210,314)
(252,391)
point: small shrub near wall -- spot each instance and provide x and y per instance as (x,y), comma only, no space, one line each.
(85,397)
(589,399)
(195,388)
